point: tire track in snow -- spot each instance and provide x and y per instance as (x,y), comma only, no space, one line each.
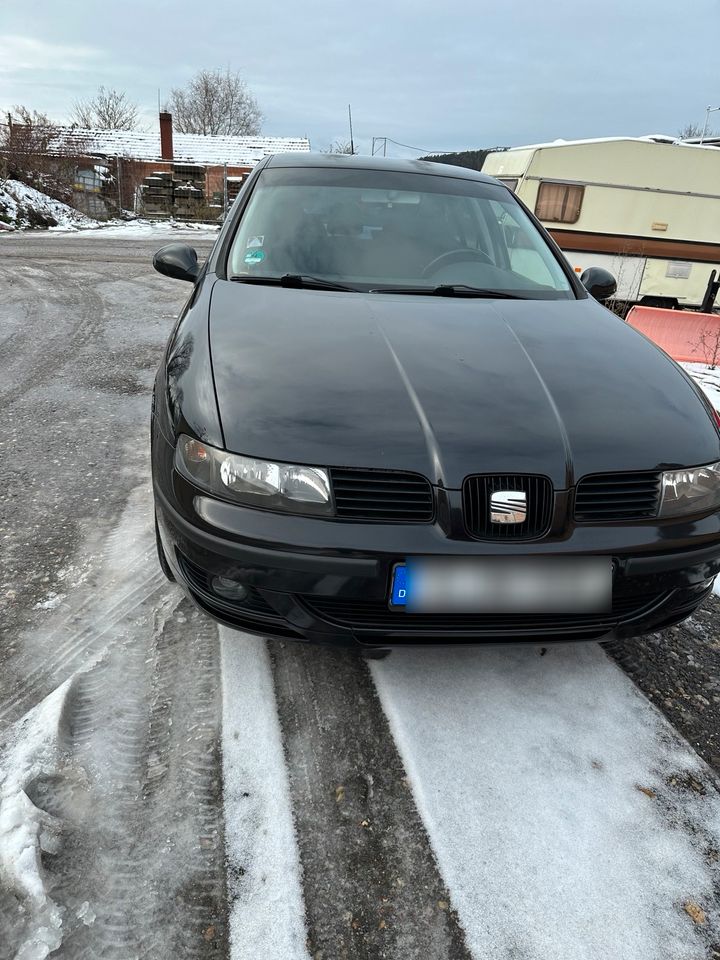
(95,616)
(76,645)
(130,771)
(371,884)
(559,803)
(78,317)
(138,867)
(87,333)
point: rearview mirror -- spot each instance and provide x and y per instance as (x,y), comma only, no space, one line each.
(177,260)
(599,283)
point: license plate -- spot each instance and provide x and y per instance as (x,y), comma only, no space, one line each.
(503,585)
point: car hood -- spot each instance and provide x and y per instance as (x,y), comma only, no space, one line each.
(448,387)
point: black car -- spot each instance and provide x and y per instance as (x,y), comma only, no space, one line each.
(390,413)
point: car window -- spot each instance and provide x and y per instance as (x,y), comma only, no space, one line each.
(372,229)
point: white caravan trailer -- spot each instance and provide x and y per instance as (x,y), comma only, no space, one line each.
(647,209)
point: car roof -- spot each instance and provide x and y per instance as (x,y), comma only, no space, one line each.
(359,162)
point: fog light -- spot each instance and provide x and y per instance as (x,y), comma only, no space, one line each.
(229,589)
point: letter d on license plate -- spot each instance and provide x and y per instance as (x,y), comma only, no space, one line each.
(503,585)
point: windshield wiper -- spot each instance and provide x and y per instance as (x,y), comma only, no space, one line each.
(295,280)
(452,290)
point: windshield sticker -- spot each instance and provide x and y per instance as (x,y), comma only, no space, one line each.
(256,241)
(254,256)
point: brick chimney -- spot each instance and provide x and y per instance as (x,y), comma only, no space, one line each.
(166,141)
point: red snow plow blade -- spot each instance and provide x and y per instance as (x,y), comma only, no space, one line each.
(678,332)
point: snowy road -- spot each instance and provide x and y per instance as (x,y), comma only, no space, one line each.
(170,790)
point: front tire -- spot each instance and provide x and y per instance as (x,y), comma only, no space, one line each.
(164,565)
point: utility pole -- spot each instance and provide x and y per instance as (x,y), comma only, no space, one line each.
(708,111)
(352,144)
(225,192)
(119,181)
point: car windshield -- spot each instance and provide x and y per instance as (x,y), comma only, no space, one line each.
(370,230)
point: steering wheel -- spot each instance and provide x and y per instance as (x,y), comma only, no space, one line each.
(455,256)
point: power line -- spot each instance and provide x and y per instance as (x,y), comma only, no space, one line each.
(417,149)
(408,146)
(432,153)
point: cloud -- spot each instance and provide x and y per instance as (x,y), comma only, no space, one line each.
(18,53)
(463,74)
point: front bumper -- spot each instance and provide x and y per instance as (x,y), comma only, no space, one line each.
(328,582)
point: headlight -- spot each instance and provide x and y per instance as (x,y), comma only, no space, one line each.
(275,486)
(693,490)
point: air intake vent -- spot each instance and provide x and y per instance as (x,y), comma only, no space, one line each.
(477,492)
(617,496)
(374,615)
(386,495)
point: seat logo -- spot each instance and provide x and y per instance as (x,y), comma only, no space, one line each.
(508,506)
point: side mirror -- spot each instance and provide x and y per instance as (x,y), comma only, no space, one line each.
(177,260)
(599,283)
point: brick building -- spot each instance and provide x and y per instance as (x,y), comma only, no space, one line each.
(162,173)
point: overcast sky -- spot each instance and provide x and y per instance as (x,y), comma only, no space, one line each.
(439,76)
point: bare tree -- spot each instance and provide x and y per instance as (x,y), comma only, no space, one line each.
(709,343)
(340,146)
(108,110)
(628,268)
(216,102)
(692,131)
(25,143)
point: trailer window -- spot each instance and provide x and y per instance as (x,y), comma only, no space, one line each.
(559,202)
(510,182)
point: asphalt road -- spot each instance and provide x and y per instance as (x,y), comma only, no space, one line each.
(169,790)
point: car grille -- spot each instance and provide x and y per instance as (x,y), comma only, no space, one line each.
(375,616)
(617,496)
(386,495)
(477,491)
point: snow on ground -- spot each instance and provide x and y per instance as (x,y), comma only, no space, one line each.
(33,750)
(110,813)
(557,801)
(707,379)
(23,206)
(141,229)
(264,887)
(37,744)
(137,229)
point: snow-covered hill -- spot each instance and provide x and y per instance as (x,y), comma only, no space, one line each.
(23,207)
